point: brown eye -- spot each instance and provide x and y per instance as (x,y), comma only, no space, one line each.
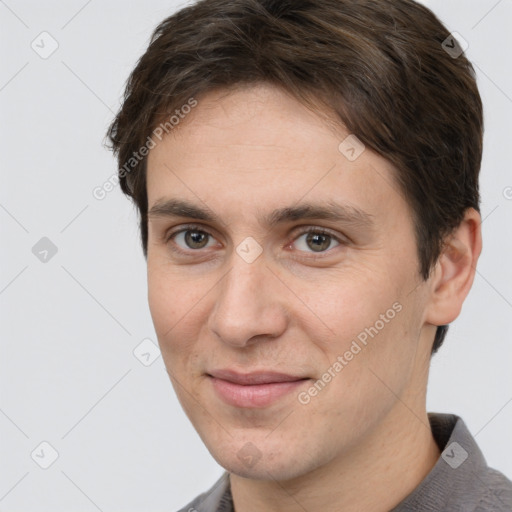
(316,241)
(191,239)
(196,239)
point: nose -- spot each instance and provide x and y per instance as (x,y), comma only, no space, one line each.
(249,305)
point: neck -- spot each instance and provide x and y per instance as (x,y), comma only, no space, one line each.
(376,475)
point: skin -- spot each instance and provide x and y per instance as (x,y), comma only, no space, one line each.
(363,441)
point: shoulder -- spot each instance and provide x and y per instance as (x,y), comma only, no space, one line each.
(463,471)
(215,499)
(461,480)
(495,491)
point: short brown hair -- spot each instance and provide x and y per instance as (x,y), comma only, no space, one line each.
(379,65)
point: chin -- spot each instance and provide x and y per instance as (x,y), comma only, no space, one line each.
(269,463)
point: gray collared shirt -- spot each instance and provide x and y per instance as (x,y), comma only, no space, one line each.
(460,481)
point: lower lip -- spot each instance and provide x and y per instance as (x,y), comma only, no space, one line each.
(258,395)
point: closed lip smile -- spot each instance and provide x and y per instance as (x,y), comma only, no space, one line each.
(255,389)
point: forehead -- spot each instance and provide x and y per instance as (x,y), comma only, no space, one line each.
(256,147)
(253,118)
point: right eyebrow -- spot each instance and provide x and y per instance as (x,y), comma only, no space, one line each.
(181,208)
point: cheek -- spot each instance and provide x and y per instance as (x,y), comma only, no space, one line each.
(169,294)
(363,385)
(369,323)
(161,304)
(176,305)
(168,307)
(351,303)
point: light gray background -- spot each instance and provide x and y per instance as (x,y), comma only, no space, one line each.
(70,325)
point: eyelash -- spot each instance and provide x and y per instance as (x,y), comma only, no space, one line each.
(194,227)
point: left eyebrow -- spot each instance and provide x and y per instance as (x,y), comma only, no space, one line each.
(332,211)
(336,212)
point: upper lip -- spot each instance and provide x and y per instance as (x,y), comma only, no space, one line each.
(253,378)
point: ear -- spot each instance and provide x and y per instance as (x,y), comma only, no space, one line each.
(454,272)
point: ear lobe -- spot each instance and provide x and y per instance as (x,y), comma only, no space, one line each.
(455,270)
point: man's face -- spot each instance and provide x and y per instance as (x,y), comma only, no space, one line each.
(342,307)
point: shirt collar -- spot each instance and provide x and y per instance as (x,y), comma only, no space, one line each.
(457,469)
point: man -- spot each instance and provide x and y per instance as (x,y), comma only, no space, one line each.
(306,174)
